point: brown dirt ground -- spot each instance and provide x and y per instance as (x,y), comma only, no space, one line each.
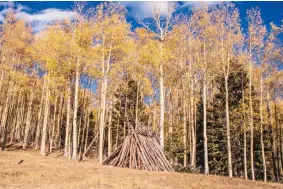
(54,171)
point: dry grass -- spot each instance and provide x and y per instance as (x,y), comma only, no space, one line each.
(55,171)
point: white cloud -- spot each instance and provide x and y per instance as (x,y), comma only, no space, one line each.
(20,8)
(47,15)
(142,9)
(39,20)
(198,3)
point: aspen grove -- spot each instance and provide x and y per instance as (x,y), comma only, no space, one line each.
(210,89)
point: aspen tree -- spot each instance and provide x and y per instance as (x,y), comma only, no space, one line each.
(162,20)
(110,31)
(230,37)
(202,22)
(255,37)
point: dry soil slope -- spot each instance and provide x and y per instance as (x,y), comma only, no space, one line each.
(54,171)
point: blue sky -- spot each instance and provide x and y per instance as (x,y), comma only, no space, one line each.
(40,13)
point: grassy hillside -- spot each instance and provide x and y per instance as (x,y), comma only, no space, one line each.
(53,171)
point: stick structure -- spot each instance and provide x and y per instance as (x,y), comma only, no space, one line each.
(140,150)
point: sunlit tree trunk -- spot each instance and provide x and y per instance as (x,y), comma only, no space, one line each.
(45,120)
(192,125)
(278,159)
(110,133)
(51,139)
(162,108)
(185,135)
(68,130)
(261,129)
(75,114)
(59,122)
(204,93)
(102,119)
(137,106)
(5,116)
(87,129)
(251,117)
(105,71)
(230,170)
(206,168)
(39,116)
(28,119)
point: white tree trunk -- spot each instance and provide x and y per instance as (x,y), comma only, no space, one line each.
(67,135)
(102,119)
(192,124)
(137,106)
(245,155)
(261,130)
(185,135)
(51,139)
(162,108)
(206,168)
(45,121)
(230,170)
(110,133)
(38,129)
(28,119)
(161,96)
(5,117)
(75,139)
(251,119)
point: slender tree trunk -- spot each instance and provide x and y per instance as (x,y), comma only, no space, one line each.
(277,139)
(170,132)
(17,112)
(45,120)
(5,116)
(102,119)
(118,125)
(51,140)
(87,130)
(251,118)
(137,105)
(185,136)
(261,130)
(38,129)
(125,113)
(161,96)
(191,106)
(244,128)
(193,128)
(13,113)
(230,169)
(75,142)
(28,119)
(206,168)
(272,139)
(68,130)
(59,122)
(1,92)
(245,155)
(84,129)
(9,122)
(161,124)
(110,133)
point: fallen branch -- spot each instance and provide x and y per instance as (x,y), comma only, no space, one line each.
(88,148)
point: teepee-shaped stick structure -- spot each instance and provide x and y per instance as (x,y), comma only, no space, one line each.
(140,150)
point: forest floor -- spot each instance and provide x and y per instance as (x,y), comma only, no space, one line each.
(54,171)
